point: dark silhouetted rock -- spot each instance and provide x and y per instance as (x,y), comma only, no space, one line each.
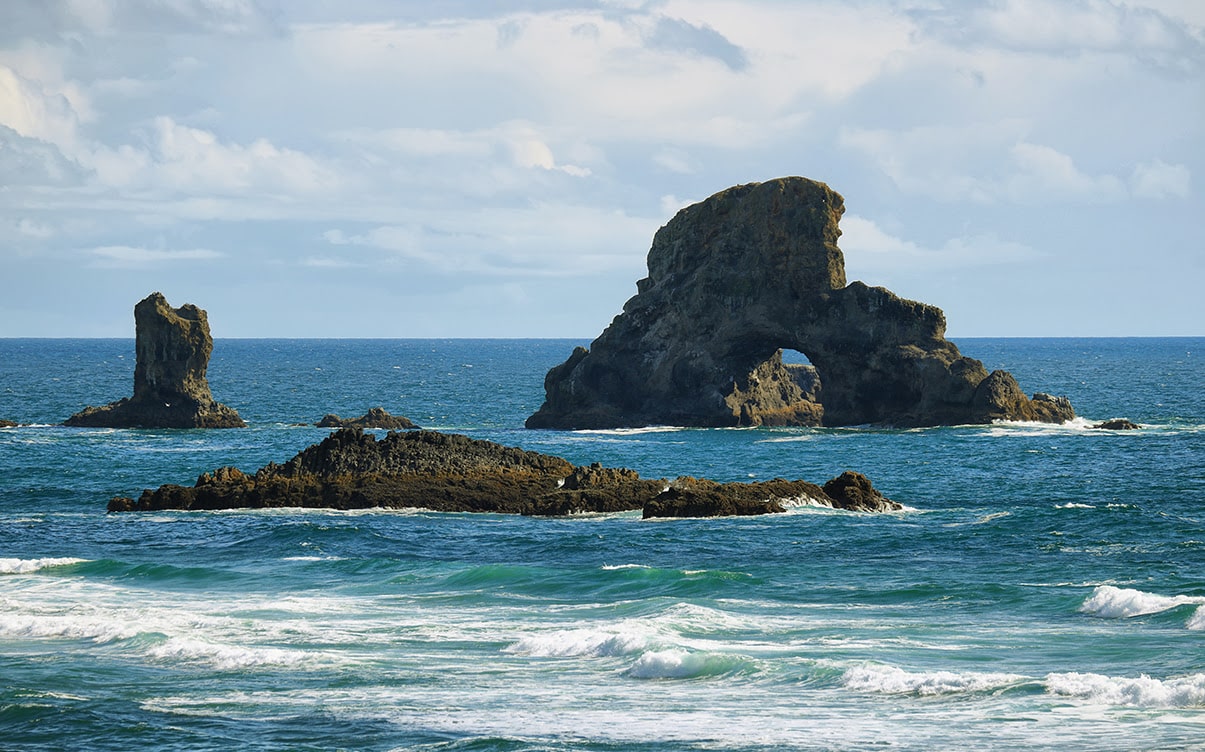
(170,389)
(1117,424)
(692,497)
(377,417)
(351,469)
(853,491)
(734,280)
(7,423)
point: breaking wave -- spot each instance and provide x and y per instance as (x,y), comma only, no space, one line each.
(1112,602)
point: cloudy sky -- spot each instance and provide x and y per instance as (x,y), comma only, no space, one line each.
(479,168)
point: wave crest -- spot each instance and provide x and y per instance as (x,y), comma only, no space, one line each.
(1143,691)
(1122,603)
(579,642)
(892,680)
(26,566)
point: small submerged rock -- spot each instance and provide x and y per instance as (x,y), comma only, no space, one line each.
(1117,424)
(377,417)
(7,423)
(351,469)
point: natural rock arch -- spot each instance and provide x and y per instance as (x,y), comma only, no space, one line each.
(735,279)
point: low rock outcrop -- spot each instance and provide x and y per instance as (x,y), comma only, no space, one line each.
(351,469)
(691,497)
(7,423)
(377,417)
(737,278)
(173,346)
(1117,424)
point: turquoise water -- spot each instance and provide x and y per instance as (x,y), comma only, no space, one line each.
(1045,588)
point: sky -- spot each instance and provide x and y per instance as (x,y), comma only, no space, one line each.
(478,168)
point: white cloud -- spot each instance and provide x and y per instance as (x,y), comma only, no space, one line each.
(183,159)
(1158,180)
(32,162)
(37,111)
(978,163)
(675,160)
(1062,27)
(1042,173)
(871,250)
(541,240)
(52,18)
(129,256)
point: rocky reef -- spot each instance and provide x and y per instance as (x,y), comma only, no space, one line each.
(734,280)
(1117,424)
(377,417)
(173,346)
(351,469)
(7,423)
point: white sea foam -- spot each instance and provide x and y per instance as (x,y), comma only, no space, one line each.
(1143,691)
(580,642)
(1113,602)
(224,657)
(1197,620)
(1074,505)
(97,630)
(803,501)
(629,431)
(892,680)
(26,566)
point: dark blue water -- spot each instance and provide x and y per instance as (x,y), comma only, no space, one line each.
(1046,588)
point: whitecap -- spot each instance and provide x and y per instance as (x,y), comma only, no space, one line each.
(66,627)
(1143,691)
(26,566)
(579,642)
(1197,620)
(681,664)
(1113,602)
(224,657)
(892,680)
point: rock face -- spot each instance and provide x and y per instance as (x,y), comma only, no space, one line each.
(448,472)
(737,278)
(170,389)
(376,417)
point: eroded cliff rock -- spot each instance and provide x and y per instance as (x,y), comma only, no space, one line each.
(172,346)
(351,469)
(736,279)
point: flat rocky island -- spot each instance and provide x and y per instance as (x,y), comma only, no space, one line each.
(351,469)
(734,280)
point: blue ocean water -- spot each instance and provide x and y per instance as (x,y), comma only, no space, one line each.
(1044,589)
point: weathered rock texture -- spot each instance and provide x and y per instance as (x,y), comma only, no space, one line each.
(735,279)
(377,417)
(173,346)
(448,472)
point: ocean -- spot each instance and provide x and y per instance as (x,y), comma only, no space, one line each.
(1043,589)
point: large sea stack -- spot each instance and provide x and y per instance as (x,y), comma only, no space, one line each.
(734,280)
(173,346)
